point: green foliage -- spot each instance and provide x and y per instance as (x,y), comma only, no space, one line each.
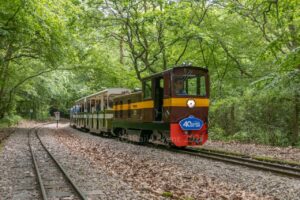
(34,40)
(254,117)
(9,120)
(54,52)
(167,194)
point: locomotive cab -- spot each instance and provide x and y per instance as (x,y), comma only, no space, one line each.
(178,94)
(172,108)
(173,88)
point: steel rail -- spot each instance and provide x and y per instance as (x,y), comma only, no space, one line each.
(43,191)
(252,160)
(42,187)
(261,165)
(10,133)
(280,169)
(79,192)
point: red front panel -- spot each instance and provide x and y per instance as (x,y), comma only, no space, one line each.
(182,138)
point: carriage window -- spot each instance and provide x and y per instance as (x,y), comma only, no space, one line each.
(121,109)
(161,83)
(147,89)
(129,109)
(190,85)
(116,109)
(110,101)
(98,105)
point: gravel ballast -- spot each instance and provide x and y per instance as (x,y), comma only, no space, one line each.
(109,169)
(182,176)
(4,133)
(278,153)
(90,178)
(17,180)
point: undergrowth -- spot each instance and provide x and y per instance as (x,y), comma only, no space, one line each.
(9,120)
(255,135)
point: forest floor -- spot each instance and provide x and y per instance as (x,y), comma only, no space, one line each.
(110,169)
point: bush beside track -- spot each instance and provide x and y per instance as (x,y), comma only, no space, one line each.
(4,133)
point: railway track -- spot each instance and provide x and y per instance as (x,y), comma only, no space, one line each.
(5,136)
(54,181)
(243,160)
(283,169)
(291,171)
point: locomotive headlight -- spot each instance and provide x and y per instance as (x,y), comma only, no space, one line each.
(191,103)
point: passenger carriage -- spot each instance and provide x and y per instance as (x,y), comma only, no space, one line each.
(94,112)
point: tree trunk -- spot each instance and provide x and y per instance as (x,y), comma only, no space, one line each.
(295,125)
(4,72)
(1,115)
(121,51)
(232,120)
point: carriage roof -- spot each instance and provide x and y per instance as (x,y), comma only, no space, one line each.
(105,92)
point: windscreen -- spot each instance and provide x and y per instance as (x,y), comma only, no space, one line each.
(189,85)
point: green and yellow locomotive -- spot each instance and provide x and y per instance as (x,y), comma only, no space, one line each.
(172,108)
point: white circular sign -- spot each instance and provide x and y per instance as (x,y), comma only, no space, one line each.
(191,103)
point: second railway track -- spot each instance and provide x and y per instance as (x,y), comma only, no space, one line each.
(54,182)
(242,160)
(286,170)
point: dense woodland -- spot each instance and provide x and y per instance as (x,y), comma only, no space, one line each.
(53,52)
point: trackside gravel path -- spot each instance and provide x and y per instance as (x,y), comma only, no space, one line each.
(109,169)
(17,176)
(184,177)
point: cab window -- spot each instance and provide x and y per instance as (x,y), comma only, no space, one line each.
(192,85)
(202,86)
(147,88)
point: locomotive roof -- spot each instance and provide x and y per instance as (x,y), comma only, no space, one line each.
(109,90)
(174,68)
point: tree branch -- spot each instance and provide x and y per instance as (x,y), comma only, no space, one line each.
(14,15)
(239,66)
(183,51)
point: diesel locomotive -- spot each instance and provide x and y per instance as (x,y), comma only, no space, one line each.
(171,108)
